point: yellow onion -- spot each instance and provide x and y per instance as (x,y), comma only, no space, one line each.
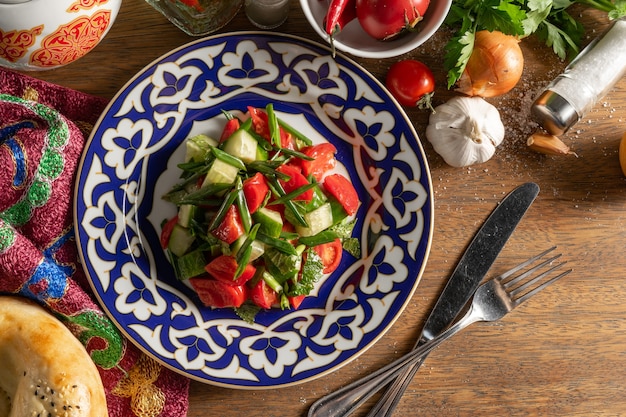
(494,67)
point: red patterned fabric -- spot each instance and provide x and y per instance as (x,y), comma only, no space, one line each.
(42,134)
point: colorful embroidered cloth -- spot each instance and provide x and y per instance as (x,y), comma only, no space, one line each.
(42,133)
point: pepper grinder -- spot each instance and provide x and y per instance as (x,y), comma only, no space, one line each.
(585,80)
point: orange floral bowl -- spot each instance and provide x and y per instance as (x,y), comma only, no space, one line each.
(47,34)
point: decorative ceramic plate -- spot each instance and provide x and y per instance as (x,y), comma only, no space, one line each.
(131,160)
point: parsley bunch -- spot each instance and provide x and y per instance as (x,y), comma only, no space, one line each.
(547,19)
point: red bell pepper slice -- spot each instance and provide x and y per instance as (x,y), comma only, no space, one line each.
(166,231)
(296,180)
(263,295)
(330,253)
(217,294)
(231,228)
(255,190)
(343,191)
(323,155)
(224,267)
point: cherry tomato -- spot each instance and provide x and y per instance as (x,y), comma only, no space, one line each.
(217,294)
(386,19)
(223,269)
(323,155)
(411,82)
(342,189)
(330,253)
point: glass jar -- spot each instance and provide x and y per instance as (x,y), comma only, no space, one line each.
(198,17)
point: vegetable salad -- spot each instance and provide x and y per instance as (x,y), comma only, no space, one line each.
(262,215)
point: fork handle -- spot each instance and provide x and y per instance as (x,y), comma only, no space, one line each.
(392,395)
(347,399)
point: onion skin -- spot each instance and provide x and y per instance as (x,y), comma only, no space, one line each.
(495,66)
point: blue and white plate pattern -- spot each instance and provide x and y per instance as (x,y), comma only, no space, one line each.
(130,162)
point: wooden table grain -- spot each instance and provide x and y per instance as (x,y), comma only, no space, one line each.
(561,354)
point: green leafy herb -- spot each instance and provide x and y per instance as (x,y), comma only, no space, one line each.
(247,312)
(311,271)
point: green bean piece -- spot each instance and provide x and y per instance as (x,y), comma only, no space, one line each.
(228,158)
(326,236)
(272,122)
(290,129)
(242,206)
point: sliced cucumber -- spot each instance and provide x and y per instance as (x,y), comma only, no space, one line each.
(221,173)
(318,220)
(270,221)
(258,248)
(241,145)
(186,212)
(261,154)
(181,240)
(191,265)
(197,147)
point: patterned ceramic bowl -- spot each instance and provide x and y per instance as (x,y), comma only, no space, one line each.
(46,34)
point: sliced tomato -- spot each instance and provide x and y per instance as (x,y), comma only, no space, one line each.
(263,295)
(330,253)
(231,127)
(324,160)
(343,191)
(296,300)
(255,190)
(260,122)
(296,180)
(231,227)
(261,126)
(224,267)
(217,294)
(166,231)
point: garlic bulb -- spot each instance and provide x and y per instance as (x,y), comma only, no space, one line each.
(465,131)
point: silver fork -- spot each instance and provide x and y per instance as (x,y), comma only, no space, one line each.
(492,300)
(390,398)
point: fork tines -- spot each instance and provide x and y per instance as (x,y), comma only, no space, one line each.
(521,289)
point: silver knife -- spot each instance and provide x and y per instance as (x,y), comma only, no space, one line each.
(469,272)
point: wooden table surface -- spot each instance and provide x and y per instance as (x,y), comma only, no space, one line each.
(561,354)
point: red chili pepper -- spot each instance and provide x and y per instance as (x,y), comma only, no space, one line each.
(339,13)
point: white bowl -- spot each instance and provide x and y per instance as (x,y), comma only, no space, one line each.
(46,34)
(355,41)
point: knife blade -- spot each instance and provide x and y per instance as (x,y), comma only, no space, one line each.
(478,257)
